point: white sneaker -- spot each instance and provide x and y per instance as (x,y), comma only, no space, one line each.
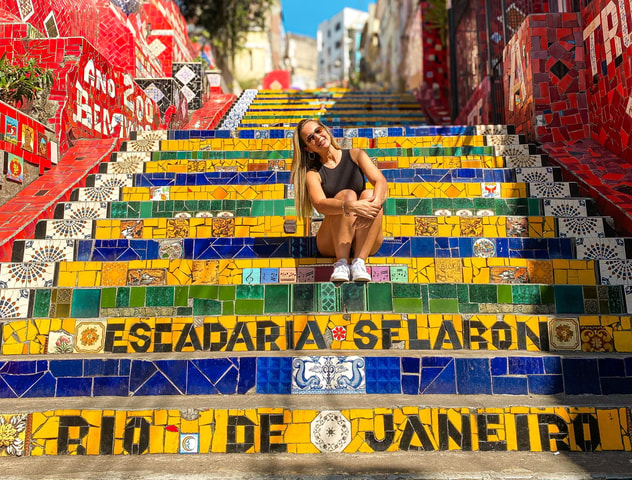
(358,271)
(341,271)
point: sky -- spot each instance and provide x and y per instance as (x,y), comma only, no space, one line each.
(303,16)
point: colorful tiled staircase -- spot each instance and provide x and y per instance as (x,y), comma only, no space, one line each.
(180,275)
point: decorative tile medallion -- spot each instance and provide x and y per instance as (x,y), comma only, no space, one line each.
(517,227)
(13,431)
(60,342)
(484,247)
(330,432)
(426,226)
(14,303)
(89,337)
(596,339)
(564,334)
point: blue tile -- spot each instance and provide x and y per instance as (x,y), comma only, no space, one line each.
(274,375)
(581,376)
(545,384)
(111,387)
(141,371)
(499,366)
(44,387)
(227,385)
(158,384)
(435,361)
(97,368)
(175,371)
(198,383)
(444,383)
(74,387)
(410,384)
(124,366)
(21,383)
(509,385)
(552,364)
(611,367)
(66,368)
(383,375)
(473,376)
(5,390)
(19,367)
(525,365)
(410,365)
(616,386)
(247,374)
(214,368)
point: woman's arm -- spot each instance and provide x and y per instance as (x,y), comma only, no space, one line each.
(373,175)
(324,205)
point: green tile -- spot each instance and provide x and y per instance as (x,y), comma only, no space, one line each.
(441,203)
(277,299)
(547,294)
(526,294)
(122,297)
(569,299)
(327,297)
(303,297)
(441,305)
(108,297)
(248,307)
(504,294)
(204,291)
(483,294)
(159,297)
(145,210)
(227,292)
(406,290)
(463,292)
(85,303)
(380,297)
(353,297)
(184,311)
(41,305)
(534,206)
(469,308)
(204,306)
(615,299)
(407,305)
(228,308)
(441,290)
(463,204)
(249,292)
(181,297)
(119,210)
(137,297)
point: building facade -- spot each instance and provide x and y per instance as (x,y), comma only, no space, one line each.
(338,44)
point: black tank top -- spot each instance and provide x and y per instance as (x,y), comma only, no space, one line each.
(346,175)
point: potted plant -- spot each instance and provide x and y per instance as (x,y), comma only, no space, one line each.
(21,84)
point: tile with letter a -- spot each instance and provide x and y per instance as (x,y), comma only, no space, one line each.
(328,374)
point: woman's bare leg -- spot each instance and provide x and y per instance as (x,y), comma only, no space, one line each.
(368,240)
(336,234)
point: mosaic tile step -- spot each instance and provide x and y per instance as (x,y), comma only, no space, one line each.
(142,163)
(312,431)
(615,272)
(232,272)
(297,298)
(475,153)
(429,143)
(49,251)
(279,191)
(398,175)
(462,207)
(226,226)
(144,332)
(317,375)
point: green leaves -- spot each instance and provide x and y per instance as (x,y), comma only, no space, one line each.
(22,82)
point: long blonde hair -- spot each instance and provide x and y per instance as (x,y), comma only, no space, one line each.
(301,163)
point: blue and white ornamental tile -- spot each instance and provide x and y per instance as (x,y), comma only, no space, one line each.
(600,248)
(14,303)
(330,431)
(535,175)
(48,251)
(328,374)
(27,275)
(550,190)
(98,194)
(85,210)
(566,207)
(615,272)
(581,227)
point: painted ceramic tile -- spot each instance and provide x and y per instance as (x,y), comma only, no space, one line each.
(10,130)
(535,175)
(15,168)
(549,190)
(15,429)
(89,337)
(70,229)
(523,161)
(581,227)
(330,432)
(85,210)
(570,207)
(125,166)
(484,247)
(60,342)
(600,248)
(426,226)
(491,190)
(159,194)
(189,443)
(328,374)
(615,272)
(517,227)
(28,138)
(14,303)
(27,275)
(596,339)
(113,180)
(143,145)
(98,194)
(564,334)
(48,251)
(508,275)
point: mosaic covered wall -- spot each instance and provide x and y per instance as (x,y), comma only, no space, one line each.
(279,430)
(608,78)
(118,28)
(25,138)
(544,87)
(94,98)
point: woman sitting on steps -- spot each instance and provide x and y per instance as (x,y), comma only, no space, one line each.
(333,181)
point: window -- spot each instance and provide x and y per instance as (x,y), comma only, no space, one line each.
(337,26)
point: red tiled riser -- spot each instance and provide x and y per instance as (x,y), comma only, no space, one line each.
(477,110)
(545,93)
(207,117)
(609,92)
(37,201)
